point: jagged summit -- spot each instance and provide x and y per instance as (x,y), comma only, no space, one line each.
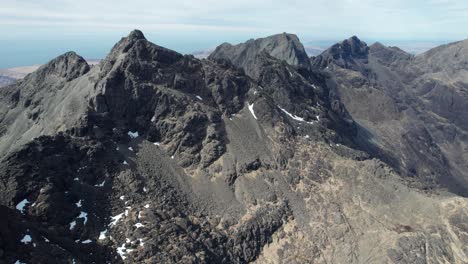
(136,34)
(283,46)
(344,54)
(68,66)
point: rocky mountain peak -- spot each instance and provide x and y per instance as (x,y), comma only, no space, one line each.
(346,54)
(388,55)
(68,66)
(136,35)
(283,46)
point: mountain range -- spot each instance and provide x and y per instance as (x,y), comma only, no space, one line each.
(256,154)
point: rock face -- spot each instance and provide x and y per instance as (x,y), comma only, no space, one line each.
(249,156)
(411,107)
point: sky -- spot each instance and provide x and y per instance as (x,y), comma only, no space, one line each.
(35,31)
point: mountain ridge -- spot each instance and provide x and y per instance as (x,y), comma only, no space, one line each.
(155,156)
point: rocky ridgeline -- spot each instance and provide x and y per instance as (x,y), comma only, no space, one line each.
(256,154)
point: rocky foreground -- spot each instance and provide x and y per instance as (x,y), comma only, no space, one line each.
(257,154)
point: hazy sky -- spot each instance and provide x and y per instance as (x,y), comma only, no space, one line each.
(33,31)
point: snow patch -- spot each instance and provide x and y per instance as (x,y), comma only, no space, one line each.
(130,148)
(122,251)
(147,205)
(144,189)
(75,179)
(199,98)
(157,143)
(78,204)
(122,197)
(295,117)
(102,235)
(87,241)
(20,206)
(153,119)
(19,262)
(115,219)
(84,216)
(252,110)
(133,134)
(138,225)
(100,185)
(26,239)
(72,225)
(125,162)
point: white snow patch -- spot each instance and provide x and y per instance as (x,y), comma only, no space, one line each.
(78,204)
(130,148)
(101,185)
(75,179)
(122,251)
(252,110)
(318,118)
(139,215)
(125,162)
(87,241)
(102,235)
(117,148)
(133,134)
(307,136)
(199,98)
(126,212)
(26,239)
(153,119)
(144,189)
(72,224)
(21,205)
(19,262)
(84,216)
(34,204)
(122,197)
(46,240)
(141,241)
(172,157)
(147,205)
(295,117)
(115,219)
(157,143)
(138,225)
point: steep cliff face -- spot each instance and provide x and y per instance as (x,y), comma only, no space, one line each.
(156,157)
